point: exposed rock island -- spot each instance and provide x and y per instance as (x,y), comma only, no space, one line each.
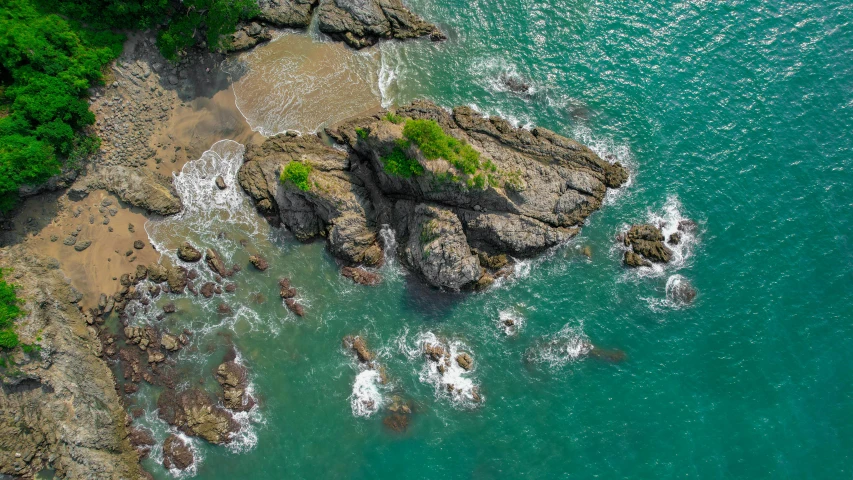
(511,191)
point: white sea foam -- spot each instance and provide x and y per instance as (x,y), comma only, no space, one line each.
(515,319)
(670,220)
(563,347)
(610,151)
(450,380)
(367,393)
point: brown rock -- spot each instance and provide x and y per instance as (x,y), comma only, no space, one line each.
(465,361)
(259,262)
(295,307)
(176,453)
(361,276)
(188,253)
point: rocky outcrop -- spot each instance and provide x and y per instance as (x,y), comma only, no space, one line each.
(58,406)
(646,246)
(287,13)
(362,23)
(361,276)
(139,187)
(195,414)
(214,261)
(234,381)
(532,191)
(259,262)
(176,453)
(244,38)
(358,345)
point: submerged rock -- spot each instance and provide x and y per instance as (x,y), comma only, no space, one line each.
(541,188)
(359,346)
(176,453)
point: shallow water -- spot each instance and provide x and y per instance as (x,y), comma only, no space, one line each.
(733,114)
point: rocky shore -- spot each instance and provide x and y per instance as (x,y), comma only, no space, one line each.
(541,188)
(58,405)
(358,23)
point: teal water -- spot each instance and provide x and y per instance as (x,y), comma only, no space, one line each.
(735,114)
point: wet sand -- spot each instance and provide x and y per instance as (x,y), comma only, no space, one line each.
(297,83)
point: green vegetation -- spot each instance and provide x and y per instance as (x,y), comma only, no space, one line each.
(434,143)
(216,18)
(187,22)
(362,133)
(399,163)
(394,118)
(10,310)
(297,173)
(48,62)
(47,65)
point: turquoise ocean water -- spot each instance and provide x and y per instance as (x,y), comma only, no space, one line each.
(735,114)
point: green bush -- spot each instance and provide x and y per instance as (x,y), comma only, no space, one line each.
(434,143)
(398,162)
(362,133)
(10,310)
(297,173)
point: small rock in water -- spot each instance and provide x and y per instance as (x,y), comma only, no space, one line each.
(361,276)
(465,361)
(220,183)
(295,307)
(586,251)
(169,308)
(674,239)
(259,262)
(224,309)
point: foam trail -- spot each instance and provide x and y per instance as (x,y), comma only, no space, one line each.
(561,348)
(366,398)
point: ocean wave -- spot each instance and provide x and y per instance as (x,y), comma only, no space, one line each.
(367,393)
(445,374)
(511,321)
(565,346)
(670,220)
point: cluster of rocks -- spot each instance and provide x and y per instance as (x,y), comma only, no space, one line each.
(288,294)
(440,356)
(646,245)
(541,188)
(234,381)
(358,23)
(398,413)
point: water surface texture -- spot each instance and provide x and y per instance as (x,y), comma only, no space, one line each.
(735,114)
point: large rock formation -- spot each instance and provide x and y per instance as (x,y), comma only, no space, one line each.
(541,186)
(287,13)
(139,187)
(194,413)
(361,23)
(58,406)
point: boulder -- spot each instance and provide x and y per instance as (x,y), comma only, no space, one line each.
(208,289)
(176,276)
(170,342)
(214,261)
(361,276)
(465,361)
(259,262)
(233,379)
(140,187)
(176,453)
(647,241)
(359,346)
(188,253)
(295,307)
(157,273)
